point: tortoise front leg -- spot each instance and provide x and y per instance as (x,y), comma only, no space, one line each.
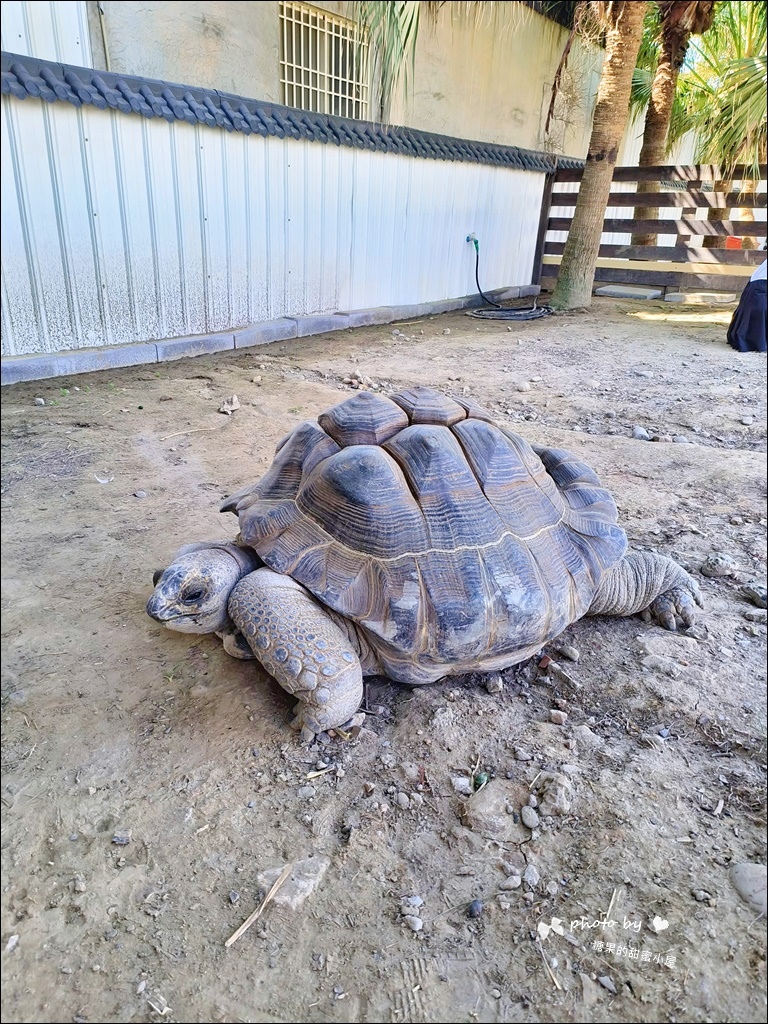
(651,584)
(299,644)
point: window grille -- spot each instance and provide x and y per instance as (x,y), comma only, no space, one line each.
(323,63)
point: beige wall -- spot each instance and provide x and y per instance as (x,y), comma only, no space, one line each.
(489,81)
(215,45)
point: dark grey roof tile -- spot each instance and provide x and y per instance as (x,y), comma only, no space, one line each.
(28,76)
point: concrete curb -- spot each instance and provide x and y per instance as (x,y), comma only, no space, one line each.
(17,369)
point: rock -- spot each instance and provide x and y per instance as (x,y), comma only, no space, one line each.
(447,330)
(558,717)
(512,882)
(661,663)
(717,563)
(680,439)
(530,817)
(555,793)
(756,593)
(494,684)
(39,401)
(701,895)
(758,615)
(304,878)
(256,379)
(524,386)
(488,812)
(78,883)
(606,982)
(402,801)
(514,863)
(306,792)
(230,405)
(475,908)
(533,800)
(462,785)
(569,653)
(139,494)
(522,755)
(749,881)
(413,901)
(747,421)
(413,922)
(531,876)
(640,434)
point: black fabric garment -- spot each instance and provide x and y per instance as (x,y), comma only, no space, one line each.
(746,332)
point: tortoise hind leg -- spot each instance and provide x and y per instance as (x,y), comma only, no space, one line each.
(300,645)
(651,584)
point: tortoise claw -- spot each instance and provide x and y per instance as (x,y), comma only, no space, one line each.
(677,604)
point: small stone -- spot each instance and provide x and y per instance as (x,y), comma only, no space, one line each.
(756,615)
(230,405)
(12,943)
(558,717)
(304,878)
(475,908)
(496,993)
(756,593)
(749,880)
(234,897)
(447,330)
(661,663)
(530,817)
(747,421)
(39,401)
(606,982)
(533,800)
(531,876)
(522,755)
(701,895)
(679,439)
(512,882)
(413,922)
(494,684)
(555,793)
(462,785)
(640,434)
(139,494)
(414,901)
(524,386)
(306,792)
(122,838)
(569,653)
(718,564)
(402,801)
(368,788)
(256,379)
(78,883)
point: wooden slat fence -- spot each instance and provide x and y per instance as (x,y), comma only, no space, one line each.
(685,262)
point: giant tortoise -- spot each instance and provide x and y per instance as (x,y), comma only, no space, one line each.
(411,536)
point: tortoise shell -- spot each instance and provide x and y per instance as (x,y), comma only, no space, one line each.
(447,538)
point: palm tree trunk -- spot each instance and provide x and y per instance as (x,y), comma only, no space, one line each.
(654,148)
(577,269)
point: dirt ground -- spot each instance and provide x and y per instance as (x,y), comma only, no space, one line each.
(149,780)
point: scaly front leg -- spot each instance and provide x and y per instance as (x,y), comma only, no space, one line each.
(299,644)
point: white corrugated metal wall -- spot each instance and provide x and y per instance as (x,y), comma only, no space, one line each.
(120,229)
(52,31)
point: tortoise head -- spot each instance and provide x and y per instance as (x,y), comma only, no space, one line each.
(191,595)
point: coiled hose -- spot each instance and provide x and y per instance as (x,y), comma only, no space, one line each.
(497,311)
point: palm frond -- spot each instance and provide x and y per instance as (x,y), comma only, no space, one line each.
(392,29)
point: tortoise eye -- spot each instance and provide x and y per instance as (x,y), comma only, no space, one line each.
(192,596)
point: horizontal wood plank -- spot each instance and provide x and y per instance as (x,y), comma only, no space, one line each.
(694,200)
(676,253)
(659,279)
(684,226)
(694,174)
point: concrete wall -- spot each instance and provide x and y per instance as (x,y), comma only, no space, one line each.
(216,45)
(488,80)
